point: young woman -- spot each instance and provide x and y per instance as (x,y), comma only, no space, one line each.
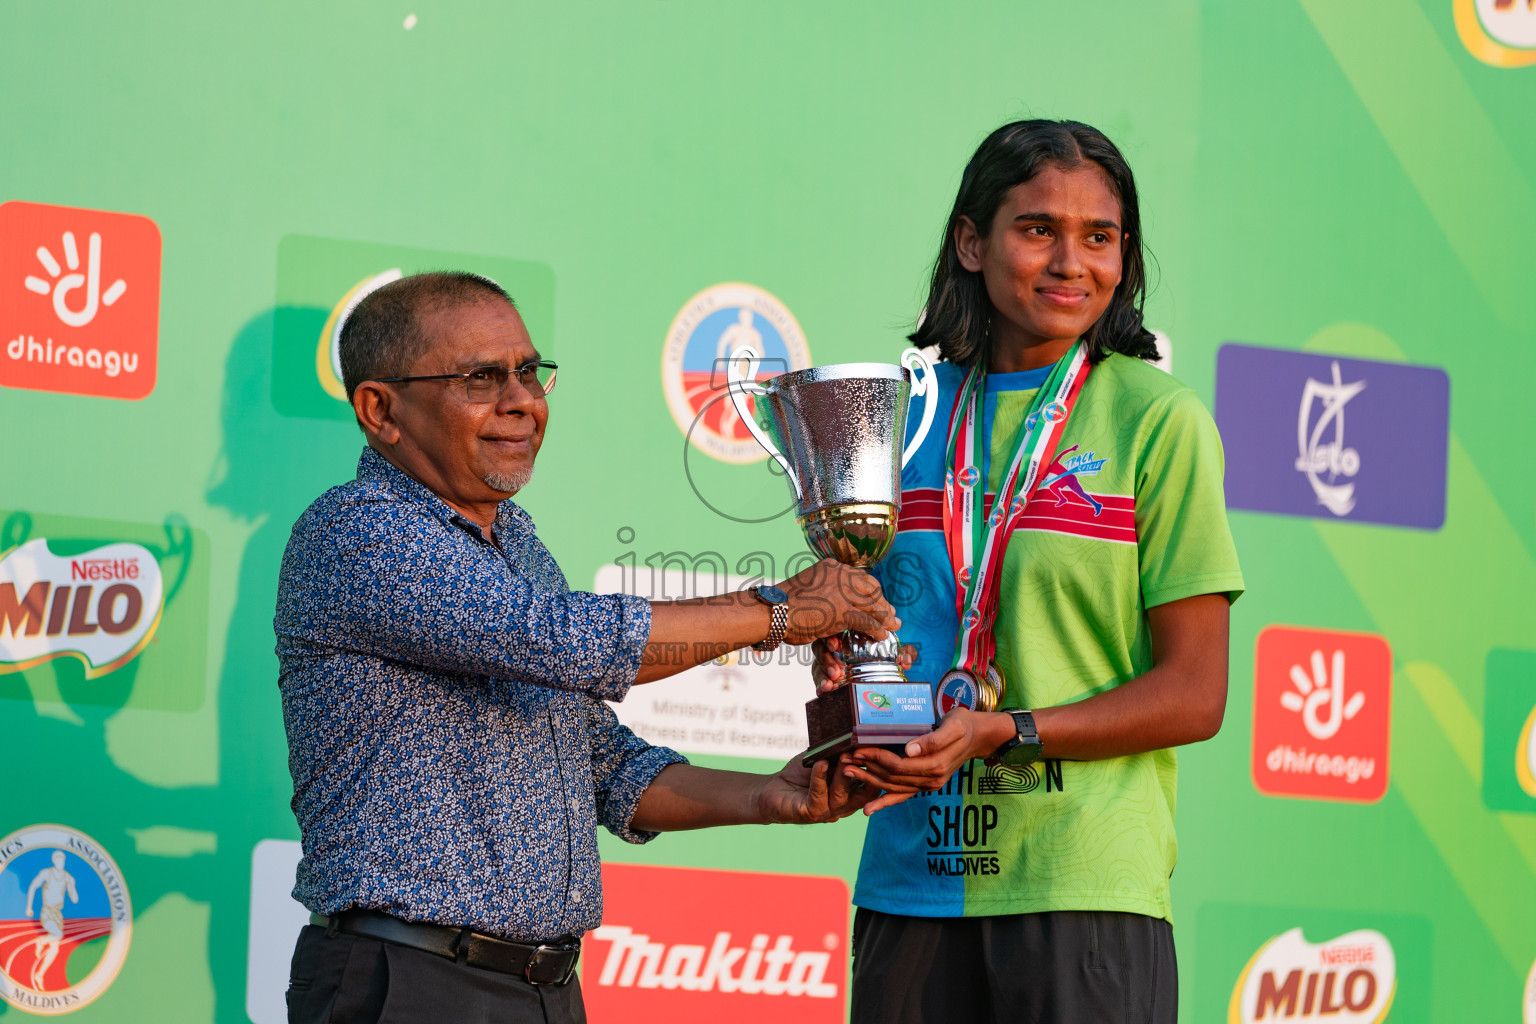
(1063,570)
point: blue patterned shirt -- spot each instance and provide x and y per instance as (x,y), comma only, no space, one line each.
(443,697)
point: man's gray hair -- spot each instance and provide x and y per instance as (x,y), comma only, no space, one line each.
(382,337)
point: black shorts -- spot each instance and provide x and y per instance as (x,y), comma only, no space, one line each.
(349,979)
(1062,967)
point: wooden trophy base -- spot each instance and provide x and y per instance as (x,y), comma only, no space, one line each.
(867,715)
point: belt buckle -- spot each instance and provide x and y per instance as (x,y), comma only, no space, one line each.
(537,958)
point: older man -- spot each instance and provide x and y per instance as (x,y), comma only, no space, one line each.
(443,688)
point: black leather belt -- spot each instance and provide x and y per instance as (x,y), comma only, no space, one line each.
(548,964)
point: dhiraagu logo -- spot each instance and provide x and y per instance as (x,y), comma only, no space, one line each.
(321,280)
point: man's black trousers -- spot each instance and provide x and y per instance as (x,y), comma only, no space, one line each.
(348,979)
(1062,967)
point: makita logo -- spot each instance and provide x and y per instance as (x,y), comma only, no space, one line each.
(753,968)
(691,946)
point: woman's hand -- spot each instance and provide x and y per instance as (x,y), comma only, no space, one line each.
(932,758)
(828,671)
(804,796)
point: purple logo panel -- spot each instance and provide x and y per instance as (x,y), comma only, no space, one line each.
(1334,438)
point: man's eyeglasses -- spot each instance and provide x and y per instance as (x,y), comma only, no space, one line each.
(489,383)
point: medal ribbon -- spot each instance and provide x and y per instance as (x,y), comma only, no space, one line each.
(975,540)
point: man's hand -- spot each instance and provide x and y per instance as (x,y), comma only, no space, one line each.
(827,670)
(830,597)
(932,758)
(800,795)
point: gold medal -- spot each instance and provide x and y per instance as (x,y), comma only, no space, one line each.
(990,688)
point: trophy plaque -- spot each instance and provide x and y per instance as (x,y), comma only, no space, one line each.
(837,433)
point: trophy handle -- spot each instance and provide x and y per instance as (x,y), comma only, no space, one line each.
(926,385)
(740,387)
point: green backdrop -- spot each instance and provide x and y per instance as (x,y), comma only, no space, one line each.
(1336,177)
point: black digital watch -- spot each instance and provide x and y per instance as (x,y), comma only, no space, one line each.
(1024,748)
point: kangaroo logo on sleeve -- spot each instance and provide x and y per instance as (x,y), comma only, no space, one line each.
(60,894)
(79,300)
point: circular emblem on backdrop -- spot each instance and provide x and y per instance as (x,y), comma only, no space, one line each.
(1031,421)
(995,518)
(65,919)
(972,617)
(957,690)
(1054,411)
(965,575)
(708,328)
(969,477)
(328,350)
(1017,508)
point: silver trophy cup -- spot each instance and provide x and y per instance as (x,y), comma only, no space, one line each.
(837,433)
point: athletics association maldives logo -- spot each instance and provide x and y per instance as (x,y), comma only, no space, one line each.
(79,300)
(1348,980)
(65,919)
(1498,32)
(745,947)
(102,606)
(1283,418)
(710,326)
(956,690)
(1322,714)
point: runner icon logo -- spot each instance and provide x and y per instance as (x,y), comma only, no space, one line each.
(59,891)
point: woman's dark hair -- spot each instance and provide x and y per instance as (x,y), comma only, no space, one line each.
(958,315)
